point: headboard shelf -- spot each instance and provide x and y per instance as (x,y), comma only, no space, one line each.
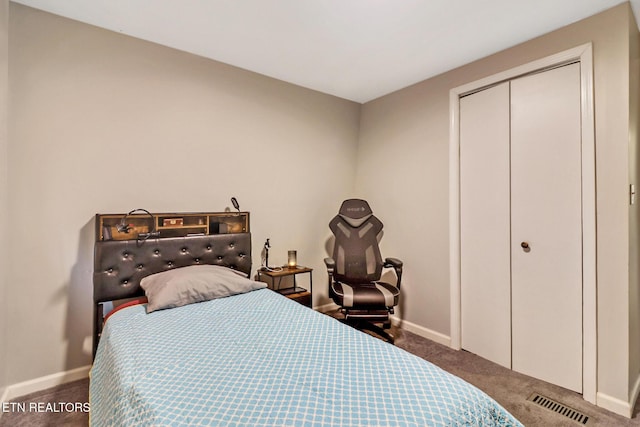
(169,224)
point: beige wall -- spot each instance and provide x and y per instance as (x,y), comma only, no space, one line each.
(4,54)
(102,122)
(634,215)
(403,163)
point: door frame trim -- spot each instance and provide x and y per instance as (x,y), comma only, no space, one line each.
(584,55)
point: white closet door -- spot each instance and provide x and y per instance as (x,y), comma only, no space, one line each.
(484,224)
(546,217)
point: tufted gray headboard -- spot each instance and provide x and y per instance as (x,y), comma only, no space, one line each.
(119,265)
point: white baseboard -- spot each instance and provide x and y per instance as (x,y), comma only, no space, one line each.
(635,392)
(404,324)
(38,384)
(615,405)
(422,331)
(634,396)
(619,406)
(326,308)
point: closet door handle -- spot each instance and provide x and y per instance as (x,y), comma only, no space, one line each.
(525,246)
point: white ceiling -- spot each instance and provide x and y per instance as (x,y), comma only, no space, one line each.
(354,49)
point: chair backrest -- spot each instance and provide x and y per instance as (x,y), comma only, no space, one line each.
(356,252)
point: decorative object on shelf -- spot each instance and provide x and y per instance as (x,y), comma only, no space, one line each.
(167,222)
(292,259)
(124,227)
(265,259)
(267,245)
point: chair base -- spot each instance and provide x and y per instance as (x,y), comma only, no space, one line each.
(378,330)
(369,325)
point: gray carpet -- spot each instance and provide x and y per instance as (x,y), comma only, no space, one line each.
(509,388)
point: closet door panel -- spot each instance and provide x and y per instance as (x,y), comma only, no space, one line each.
(546,247)
(484,224)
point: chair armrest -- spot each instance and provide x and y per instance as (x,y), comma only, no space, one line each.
(397,266)
(331,265)
(393,262)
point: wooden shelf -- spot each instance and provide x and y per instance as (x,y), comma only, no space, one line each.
(178,227)
(286,271)
(294,292)
(178,224)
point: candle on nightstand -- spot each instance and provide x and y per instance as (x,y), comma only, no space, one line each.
(292,257)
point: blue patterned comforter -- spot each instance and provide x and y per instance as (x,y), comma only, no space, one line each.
(259,359)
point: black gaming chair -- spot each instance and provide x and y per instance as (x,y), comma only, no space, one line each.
(356,267)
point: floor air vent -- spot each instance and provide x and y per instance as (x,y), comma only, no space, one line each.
(559,408)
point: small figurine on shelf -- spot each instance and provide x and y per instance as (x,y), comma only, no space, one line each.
(267,245)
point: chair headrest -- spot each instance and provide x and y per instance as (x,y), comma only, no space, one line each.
(355,208)
(355,211)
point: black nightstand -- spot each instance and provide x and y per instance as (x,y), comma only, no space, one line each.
(295,292)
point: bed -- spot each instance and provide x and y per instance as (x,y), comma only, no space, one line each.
(254,357)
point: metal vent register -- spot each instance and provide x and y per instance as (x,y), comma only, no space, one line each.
(559,408)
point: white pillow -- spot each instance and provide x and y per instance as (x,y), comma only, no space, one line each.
(196,283)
